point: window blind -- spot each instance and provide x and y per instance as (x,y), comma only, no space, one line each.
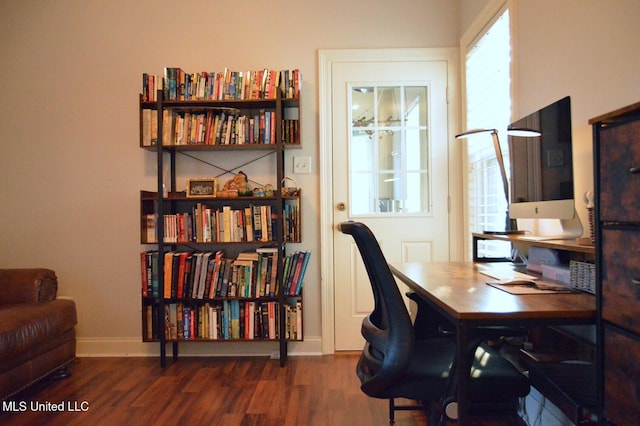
(488,105)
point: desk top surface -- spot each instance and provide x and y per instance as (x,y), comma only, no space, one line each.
(461,291)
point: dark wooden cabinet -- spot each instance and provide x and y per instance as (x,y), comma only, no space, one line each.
(616,137)
(619,165)
(620,274)
(621,373)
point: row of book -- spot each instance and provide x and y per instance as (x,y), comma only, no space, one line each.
(295,267)
(225,320)
(210,275)
(178,85)
(216,127)
(207,224)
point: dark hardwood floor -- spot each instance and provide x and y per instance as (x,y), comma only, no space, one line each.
(313,390)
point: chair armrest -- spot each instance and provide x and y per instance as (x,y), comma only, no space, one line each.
(27,285)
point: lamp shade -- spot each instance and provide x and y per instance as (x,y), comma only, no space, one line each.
(523,132)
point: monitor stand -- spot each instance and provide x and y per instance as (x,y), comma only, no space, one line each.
(570,229)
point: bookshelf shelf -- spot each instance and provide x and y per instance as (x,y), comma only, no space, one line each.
(216,268)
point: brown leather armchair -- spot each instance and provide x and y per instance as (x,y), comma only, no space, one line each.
(37,330)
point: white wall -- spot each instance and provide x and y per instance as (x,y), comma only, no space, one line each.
(70,165)
(586,49)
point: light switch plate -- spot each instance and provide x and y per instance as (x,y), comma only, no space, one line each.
(301,164)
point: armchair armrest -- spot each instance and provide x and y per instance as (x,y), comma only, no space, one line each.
(27,285)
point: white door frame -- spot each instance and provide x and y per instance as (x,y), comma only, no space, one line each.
(326,58)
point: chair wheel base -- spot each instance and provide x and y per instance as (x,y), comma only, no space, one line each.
(451,411)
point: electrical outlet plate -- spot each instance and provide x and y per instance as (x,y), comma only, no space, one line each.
(301,164)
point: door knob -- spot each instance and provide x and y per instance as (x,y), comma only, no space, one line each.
(341,206)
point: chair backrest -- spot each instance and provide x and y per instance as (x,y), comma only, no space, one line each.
(388,329)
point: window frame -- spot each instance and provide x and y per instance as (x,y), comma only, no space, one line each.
(478,28)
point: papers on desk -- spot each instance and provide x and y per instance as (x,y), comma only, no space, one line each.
(530,287)
(502,272)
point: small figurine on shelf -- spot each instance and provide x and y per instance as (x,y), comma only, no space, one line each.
(268,190)
(236,186)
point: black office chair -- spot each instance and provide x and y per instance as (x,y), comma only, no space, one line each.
(394,364)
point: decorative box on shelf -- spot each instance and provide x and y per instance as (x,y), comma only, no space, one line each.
(583,276)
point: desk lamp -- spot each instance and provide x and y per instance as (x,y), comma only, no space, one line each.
(510,224)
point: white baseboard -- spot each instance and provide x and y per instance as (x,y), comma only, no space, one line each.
(123,347)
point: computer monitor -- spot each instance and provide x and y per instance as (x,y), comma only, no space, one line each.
(541,168)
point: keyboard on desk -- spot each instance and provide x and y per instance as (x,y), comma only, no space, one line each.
(503,273)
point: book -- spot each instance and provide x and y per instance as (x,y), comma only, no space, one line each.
(264,320)
(148,322)
(288,269)
(226,223)
(217,262)
(186,323)
(182,273)
(257,223)
(248,220)
(146,127)
(257,321)
(204,268)
(295,267)
(299,333)
(224,289)
(168,269)
(206,287)
(298,276)
(264,219)
(225,319)
(264,274)
(192,323)
(271,269)
(144,273)
(271,309)
(267,128)
(190,262)
(214,326)
(250,318)
(234,306)
(155,284)
(172,321)
(197,270)
(249,262)
(175,267)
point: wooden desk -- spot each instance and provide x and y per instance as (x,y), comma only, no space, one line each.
(458,291)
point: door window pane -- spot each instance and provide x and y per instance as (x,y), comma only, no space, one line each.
(389,150)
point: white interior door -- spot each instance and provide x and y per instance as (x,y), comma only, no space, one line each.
(390,171)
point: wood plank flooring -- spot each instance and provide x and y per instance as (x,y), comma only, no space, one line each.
(313,390)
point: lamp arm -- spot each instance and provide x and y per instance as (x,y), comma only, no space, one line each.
(503,171)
